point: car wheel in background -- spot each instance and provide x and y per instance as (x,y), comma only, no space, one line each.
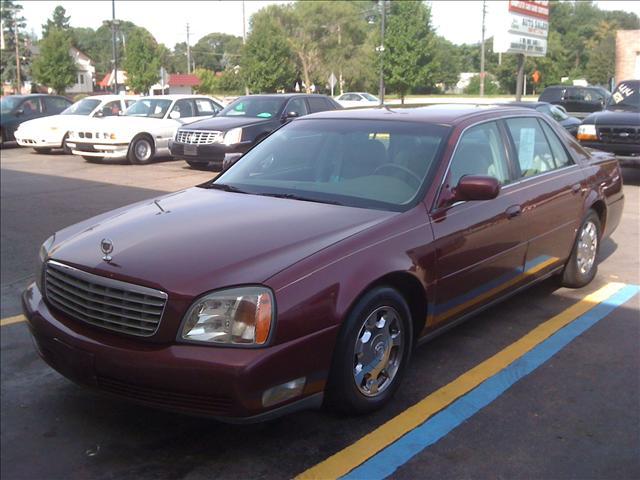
(1,137)
(42,150)
(372,353)
(582,266)
(199,165)
(141,150)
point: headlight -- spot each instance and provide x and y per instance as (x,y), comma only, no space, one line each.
(43,255)
(109,136)
(238,316)
(233,136)
(587,132)
(53,129)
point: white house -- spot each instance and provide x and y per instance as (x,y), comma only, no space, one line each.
(86,73)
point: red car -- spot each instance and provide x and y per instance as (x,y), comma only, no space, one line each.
(308,271)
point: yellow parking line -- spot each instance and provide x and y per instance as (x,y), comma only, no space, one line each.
(11,320)
(357,453)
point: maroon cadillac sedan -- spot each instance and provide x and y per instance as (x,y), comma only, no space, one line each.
(307,273)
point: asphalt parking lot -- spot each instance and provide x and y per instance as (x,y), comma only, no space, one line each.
(574,415)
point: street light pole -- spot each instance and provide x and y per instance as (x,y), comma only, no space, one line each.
(482,75)
(115,47)
(381,49)
(17,42)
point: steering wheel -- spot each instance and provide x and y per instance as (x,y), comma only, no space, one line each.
(409,173)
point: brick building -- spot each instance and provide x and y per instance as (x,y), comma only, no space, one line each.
(627,55)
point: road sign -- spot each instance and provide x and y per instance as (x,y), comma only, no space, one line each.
(332,82)
(524,26)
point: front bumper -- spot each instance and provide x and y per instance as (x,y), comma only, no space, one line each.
(622,149)
(34,140)
(211,154)
(114,151)
(225,383)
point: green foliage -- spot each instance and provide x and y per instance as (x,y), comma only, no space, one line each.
(58,20)
(10,13)
(409,48)
(54,66)
(141,63)
(211,83)
(217,51)
(490,88)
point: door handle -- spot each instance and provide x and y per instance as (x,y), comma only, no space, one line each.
(513,211)
(575,188)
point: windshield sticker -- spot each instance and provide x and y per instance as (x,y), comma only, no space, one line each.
(623,91)
(526,147)
(264,115)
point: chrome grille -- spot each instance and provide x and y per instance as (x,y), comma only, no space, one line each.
(619,134)
(103,302)
(198,137)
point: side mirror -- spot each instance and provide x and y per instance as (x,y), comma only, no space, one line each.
(99,113)
(19,112)
(174,115)
(476,187)
(290,115)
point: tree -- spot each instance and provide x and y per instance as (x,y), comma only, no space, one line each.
(58,20)
(217,51)
(55,66)
(267,64)
(141,62)
(11,16)
(409,48)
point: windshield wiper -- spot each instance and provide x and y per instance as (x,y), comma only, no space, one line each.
(293,196)
(223,186)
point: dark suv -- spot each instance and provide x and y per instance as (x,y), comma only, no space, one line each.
(218,142)
(20,108)
(578,101)
(617,128)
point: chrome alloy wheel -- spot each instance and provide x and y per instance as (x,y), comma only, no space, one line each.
(142,150)
(587,247)
(378,352)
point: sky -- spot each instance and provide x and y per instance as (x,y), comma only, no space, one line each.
(457,21)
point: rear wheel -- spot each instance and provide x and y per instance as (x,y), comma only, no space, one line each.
(582,266)
(372,353)
(141,150)
(42,150)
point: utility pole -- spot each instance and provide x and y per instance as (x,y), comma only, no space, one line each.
(484,12)
(381,50)
(115,47)
(17,42)
(520,78)
(244,41)
(341,60)
(188,52)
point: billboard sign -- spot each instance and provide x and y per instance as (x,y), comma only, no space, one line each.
(523,27)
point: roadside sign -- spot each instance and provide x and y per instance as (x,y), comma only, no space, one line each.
(523,28)
(332,82)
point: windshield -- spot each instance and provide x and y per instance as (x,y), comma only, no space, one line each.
(152,108)
(369,97)
(625,97)
(83,107)
(260,107)
(364,163)
(9,103)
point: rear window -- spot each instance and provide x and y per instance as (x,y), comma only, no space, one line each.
(551,94)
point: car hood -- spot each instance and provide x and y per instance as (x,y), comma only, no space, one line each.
(614,117)
(200,239)
(224,124)
(59,121)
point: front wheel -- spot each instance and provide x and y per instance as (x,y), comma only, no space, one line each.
(199,165)
(65,147)
(141,150)
(42,150)
(372,353)
(582,266)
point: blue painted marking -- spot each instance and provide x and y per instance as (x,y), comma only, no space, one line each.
(476,292)
(387,461)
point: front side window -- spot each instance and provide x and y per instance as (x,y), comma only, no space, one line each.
(480,152)
(560,156)
(297,105)
(148,107)
(532,149)
(111,109)
(184,107)
(364,163)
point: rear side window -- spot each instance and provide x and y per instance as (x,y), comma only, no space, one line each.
(319,104)
(560,156)
(56,104)
(480,152)
(204,107)
(532,149)
(551,94)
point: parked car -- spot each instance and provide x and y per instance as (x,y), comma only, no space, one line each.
(617,128)
(143,131)
(16,109)
(315,264)
(556,112)
(577,101)
(358,99)
(46,133)
(243,123)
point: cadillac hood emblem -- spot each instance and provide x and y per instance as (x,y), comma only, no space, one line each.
(106,245)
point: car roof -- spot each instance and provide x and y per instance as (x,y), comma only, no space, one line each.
(173,96)
(32,95)
(282,95)
(111,97)
(527,104)
(445,114)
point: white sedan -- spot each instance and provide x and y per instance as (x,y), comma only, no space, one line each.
(357,99)
(46,133)
(143,131)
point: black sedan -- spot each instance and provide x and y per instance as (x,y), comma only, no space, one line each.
(206,144)
(570,123)
(20,108)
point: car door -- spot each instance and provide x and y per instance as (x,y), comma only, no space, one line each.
(573,99)
(480,245)
(549,188)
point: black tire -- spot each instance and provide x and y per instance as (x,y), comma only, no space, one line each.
(343,393)
(199,165)
(578,273)
(93,159)
(141,150)
(42,150)
(1,138)
(65,147)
